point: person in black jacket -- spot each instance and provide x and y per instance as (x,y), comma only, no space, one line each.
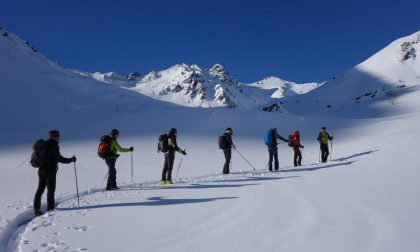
(272,149)
(48,172)
(323,138)
(227,150)
(170,157)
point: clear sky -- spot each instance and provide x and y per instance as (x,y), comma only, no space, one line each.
(297,40)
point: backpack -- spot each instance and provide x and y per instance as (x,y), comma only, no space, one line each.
(163,144)
(268,138)
(291,143)
(39,154)
(223,142)
(104,148)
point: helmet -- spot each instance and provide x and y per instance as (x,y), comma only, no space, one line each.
(229,131)
(115,132)
(172,131)
(54,133)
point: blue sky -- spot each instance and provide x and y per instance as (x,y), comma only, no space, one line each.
(300,41)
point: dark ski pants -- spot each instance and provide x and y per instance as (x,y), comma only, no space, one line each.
(297,159)
(168,166)
(228,156)
(324,152)
(47,179)
(112,173)
(272,153)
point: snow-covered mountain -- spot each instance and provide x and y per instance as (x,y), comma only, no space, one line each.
(128,80)
(35,89)
(375,83)
(194,86)
(284,88)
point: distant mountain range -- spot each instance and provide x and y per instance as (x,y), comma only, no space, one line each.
(194,86)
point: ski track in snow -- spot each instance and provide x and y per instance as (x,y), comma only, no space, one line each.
(13,231)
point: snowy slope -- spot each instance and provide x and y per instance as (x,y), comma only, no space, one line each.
(193,86)
(345,205)
(284,88)
(37,91)
(385,76)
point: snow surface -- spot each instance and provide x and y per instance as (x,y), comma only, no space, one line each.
(365,199)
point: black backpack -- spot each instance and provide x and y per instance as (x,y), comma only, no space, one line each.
(223,142)
(290,143)
(104,148)
(39,154)
(163,144)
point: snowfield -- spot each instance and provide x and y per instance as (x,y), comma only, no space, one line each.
(364,199)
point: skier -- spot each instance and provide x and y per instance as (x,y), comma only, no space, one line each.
(47,173)
(272,148)
(110,161)
(323,138)
(170,157)
(227,145)
(297,159)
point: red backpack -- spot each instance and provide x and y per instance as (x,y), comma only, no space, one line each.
(104,148)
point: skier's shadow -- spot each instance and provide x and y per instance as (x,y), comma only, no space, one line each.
(331,165)
(210,185)
(152,201)
(355,155)
(318,167)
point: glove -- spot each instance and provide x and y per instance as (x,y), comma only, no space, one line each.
(73,159)
(302,146)
(131,148)
(184,153)
(117,155)
(332,138)
(233,146)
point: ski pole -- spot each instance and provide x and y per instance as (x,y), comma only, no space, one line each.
(245,158)
(301,157)
(28,159)
(105,178)
(77,186)
(231,164)
(331,150)
(179,166)
(319,155)
(132,171)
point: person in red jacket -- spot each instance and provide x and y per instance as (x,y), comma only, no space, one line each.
(297,159)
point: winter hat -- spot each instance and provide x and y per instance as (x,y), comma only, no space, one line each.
(297,132)
(324,128)
(54,133)
(274,129)
(114,132)
(172,131)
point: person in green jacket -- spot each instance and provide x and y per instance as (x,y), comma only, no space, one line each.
(110,162)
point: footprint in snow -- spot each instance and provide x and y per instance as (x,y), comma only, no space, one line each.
(79,229)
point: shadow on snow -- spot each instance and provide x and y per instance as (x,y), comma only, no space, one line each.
(152,201)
